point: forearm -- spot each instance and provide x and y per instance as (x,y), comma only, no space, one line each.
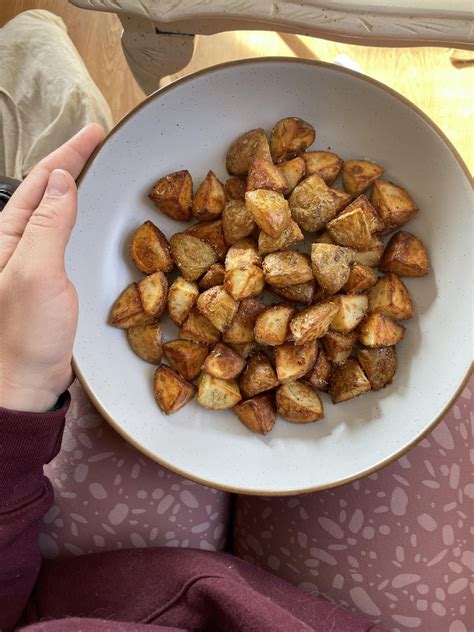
(27,442)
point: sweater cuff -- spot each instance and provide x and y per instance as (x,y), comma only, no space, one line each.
(27,442)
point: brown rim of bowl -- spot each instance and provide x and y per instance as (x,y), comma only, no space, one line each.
(375,468)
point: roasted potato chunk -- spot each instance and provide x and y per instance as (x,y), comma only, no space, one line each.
(348,381)
(244,149)
(286,268)
(380,365)
(153,291)
(291,235)
(405,255)
(127,311)
(325,164)
(186,356)
(216,394)
(214,276)
(312,322)
(244,282)
(242,253)
(223,363)
(245,349)
(258,376)
(358,175)
(257,413)
(341,199)
(297,402)
(290,137)
(380,331)
(331,266)
(218,306)
(269,210)
(263,174)
(374,220)
(210,198)
(338,346)
(192,255)
(145,341)
(351,229)
(372,256)
(361,278)
(235,188)
(293,361)
(390,297)
(293,171)
(197,327)
(212,233)
(273,325)
(301,293)
(352,310)
(182,296)
(312,204)
(172,391)
(237,221)
(318,377)
(392,203)
(173,195)
(150,250)
(241,329)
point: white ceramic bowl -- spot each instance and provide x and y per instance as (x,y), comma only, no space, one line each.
(189,125)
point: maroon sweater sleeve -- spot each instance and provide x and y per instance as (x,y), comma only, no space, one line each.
(27,442)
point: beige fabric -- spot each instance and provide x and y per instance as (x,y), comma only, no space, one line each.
(46,93)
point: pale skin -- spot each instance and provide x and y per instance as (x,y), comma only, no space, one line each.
(38,303)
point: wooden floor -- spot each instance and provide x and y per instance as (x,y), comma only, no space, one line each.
(426,76)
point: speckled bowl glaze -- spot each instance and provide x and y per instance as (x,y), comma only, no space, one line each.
(190,124)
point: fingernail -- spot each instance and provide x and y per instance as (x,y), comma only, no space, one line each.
(58,184)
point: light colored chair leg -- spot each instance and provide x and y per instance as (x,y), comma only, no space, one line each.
(152,54)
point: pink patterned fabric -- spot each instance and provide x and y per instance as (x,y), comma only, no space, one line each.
(397,545)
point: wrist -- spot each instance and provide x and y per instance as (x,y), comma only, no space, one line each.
(26,399)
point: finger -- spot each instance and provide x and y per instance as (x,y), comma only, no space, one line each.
(71,157)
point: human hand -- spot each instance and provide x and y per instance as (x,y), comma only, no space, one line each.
(38,303)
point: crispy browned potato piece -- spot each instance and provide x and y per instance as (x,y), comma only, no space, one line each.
(372,256)
(241,329)
(218,306)
(269,210)
(244,281)
(273,325)
(192,255)
(290,137)
(172,391)
(358,175)
(153,291)
(293,171)
(145,341)
(224,363)
(245,349)
(242,253)
(405,255)
(182,296)
(127,311)
(291,235)
(380,331)
(150,250)
(293,361)
(297,402)
(244,149)
(351,229)
(390,297)
(375,222)
(352,310)
(237,221)
(341,199)
(339,346)
(263,174)
(361,278)
(186,356)
(325,164)
(331,266)
(217,394)
(257,413)
(392,203)
(300,293)
(212,233)
(348,381)
(258,376)
(173,195)
(318,377)
(235,188)
(197,327)
(209,199)
(380,365)
(312,322)
(312,204)
(286,268)
(214,276)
